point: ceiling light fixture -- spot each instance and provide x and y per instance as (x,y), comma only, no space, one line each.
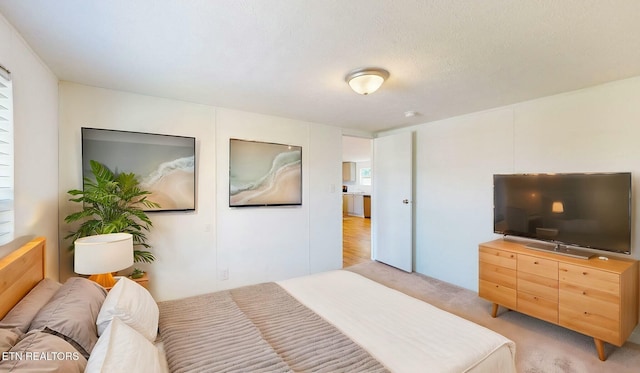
(367,80)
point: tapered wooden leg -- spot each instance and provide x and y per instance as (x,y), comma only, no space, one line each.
(600,347)
(494,310)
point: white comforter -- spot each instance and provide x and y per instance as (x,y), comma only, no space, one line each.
(401,332)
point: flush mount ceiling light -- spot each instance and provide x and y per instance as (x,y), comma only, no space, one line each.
(367,80)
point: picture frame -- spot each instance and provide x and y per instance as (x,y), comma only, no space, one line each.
(264,174)
(164,164)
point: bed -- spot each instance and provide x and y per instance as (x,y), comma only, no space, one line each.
(332,321)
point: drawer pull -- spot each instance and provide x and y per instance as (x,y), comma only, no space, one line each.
(584,293)
(586,313)
(535,298)
(535,262)
(584,273)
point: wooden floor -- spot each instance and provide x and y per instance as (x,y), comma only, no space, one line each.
(356,240)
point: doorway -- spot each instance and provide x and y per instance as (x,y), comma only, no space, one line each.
(393,225)
(356,198)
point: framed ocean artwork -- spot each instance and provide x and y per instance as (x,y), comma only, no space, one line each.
(264,174)
(164,164)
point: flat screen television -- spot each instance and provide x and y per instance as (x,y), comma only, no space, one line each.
(164,164)
(589,210)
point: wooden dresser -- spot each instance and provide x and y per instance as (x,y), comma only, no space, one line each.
(595,297)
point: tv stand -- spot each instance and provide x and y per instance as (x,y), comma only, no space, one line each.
(595,297)
(560,249)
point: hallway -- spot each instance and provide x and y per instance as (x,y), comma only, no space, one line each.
(356,240)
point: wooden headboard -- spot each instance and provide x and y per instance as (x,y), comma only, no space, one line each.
(20,271)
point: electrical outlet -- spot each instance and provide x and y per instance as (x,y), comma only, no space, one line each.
(224,274)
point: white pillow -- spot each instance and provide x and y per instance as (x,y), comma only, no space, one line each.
(121,349)
(133,305)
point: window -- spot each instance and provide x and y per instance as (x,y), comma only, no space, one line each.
(365,176)
(6,158)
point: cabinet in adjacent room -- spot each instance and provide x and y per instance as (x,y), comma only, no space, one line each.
(367,205)
(353,204)
(348,171)
(595,297)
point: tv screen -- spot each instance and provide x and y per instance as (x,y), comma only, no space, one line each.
(164,164)
(585,210)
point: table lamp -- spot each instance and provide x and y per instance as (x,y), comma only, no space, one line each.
(557,207)
(102,254)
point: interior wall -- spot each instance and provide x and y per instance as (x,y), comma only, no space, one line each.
(455,163)
(35,90)
(590,130)
(195,251)
(270,243)
(183,242)
(325,201)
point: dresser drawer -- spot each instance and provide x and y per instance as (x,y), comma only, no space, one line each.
(496,293)
(590,321)
(539,286)
(590,301)
(589,278)
(539,307)
(498,257)
(541,267)
(497,274)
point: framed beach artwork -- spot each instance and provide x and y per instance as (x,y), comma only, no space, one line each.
(264,174)
(164,164)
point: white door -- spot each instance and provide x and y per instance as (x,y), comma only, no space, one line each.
(391,203)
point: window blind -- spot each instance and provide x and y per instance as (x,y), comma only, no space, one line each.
(6,158)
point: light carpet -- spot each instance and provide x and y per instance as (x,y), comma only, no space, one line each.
(541,347)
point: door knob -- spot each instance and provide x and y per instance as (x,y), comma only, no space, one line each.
(405,201)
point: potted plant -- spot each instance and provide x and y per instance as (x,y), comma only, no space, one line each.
(137,273)
(113,203)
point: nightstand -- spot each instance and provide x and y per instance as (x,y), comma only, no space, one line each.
(142,281)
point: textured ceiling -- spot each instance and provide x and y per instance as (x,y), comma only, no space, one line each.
(289,57)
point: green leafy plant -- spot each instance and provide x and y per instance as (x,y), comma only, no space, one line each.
(137,273)
(113,203)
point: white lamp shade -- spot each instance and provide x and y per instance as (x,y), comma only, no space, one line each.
(103,253)
(557,207)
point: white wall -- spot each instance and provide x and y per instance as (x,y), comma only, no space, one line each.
(194,248)
(455,163)
(35,90)
(258,244)
(325,201)
(590,130)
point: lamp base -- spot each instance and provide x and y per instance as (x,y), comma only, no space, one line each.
(106,280)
